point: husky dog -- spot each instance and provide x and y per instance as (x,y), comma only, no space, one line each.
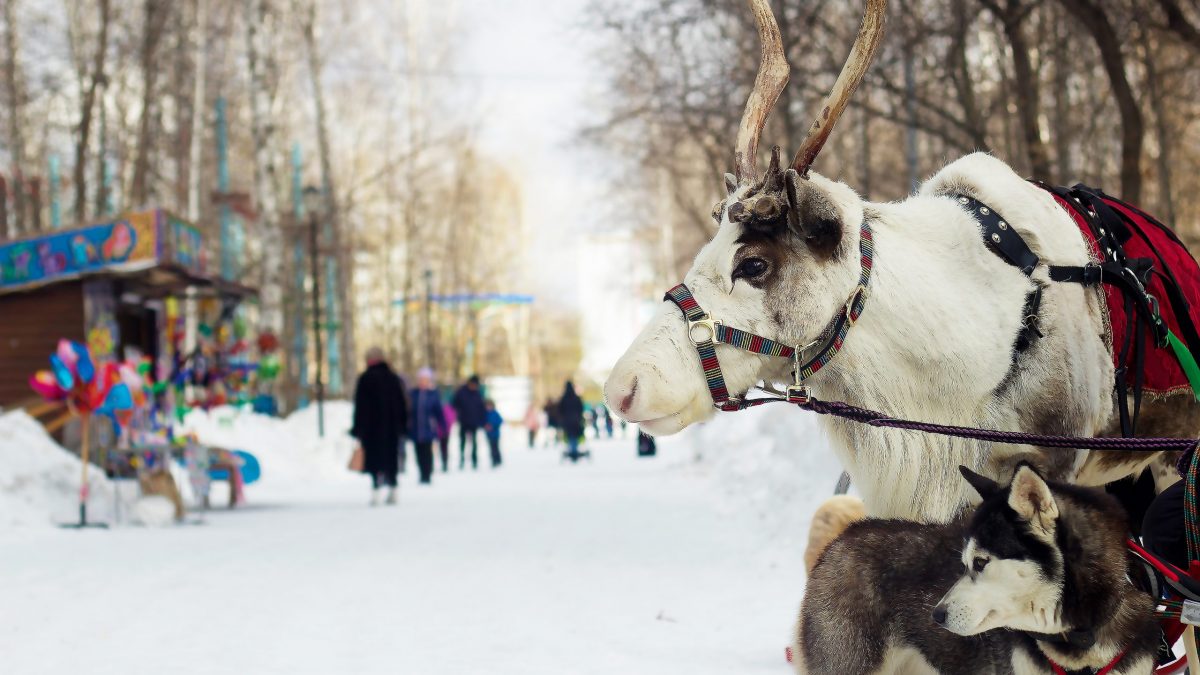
(1033,581)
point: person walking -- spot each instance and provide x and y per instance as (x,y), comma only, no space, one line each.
(570,416)
(533,422)
(426,419)
(380,420)
(443,434)
(468,405)
(608,420)
(646,447)
(492,423)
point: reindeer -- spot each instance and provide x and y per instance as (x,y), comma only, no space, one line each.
(934,332)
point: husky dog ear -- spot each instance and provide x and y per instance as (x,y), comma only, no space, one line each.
(1032,500)
(812,215)
(986,487)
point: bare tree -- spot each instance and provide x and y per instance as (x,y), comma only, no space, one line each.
(1096,20)
(155,15)
(1012,15)
(92,77)
(14,89)
(259,18)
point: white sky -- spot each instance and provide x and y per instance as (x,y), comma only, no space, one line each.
(534,75)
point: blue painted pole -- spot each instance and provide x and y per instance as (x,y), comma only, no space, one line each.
(300,339)
(55,207)
(228,263)
(331,317)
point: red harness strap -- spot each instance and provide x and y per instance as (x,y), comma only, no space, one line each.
(1059,670)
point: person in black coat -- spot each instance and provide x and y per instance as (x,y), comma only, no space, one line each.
(570,417)
(472,415)
(380,420)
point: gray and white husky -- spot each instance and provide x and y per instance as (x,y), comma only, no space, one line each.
(1035,577)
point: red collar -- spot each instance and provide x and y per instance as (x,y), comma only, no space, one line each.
(1059,670)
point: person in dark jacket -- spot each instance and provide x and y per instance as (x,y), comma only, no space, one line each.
(380,420)
(425,422)
(570,417)
(468,405)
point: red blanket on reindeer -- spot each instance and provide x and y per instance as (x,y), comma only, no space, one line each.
(1130,244)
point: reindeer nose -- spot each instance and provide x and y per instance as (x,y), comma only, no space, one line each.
(625,396)
(939,615)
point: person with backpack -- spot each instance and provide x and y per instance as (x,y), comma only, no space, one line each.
(472,415)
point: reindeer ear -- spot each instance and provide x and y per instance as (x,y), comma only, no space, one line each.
(812,215)
(730,183)
(1032,500)
(986,487)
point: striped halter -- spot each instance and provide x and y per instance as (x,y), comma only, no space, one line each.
(705,332)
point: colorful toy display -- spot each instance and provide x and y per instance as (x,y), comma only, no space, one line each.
(87,389)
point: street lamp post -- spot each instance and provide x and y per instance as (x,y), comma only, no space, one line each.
(428,324)
(312,204)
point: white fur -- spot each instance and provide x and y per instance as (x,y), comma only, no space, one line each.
(934,341)
(1008,593)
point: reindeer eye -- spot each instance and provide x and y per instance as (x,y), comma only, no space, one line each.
(978,564)
(750,268)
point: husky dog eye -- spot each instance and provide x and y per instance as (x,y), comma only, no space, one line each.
(750,268)
(978,564)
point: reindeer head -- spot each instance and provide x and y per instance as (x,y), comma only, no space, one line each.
(780,265)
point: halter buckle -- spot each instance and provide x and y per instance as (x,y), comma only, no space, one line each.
(707,323)
(859,291)
(798,393)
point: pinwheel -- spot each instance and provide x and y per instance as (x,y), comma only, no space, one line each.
(74,378)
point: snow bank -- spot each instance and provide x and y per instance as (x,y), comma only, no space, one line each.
(39,479)
(774,460)
(289,450)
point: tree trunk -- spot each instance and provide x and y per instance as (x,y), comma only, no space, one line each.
(16,124)
(155,18)
(339,239)
(1178,23)
(1025,83)
(1061,50)
(199,106)
(86,105)
(1163,138)
(262,130)
(962,78)
(1093,17)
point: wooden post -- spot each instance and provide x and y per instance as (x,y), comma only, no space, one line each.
(1189,645)
(85,446)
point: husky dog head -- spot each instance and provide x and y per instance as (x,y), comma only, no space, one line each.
(1013,566)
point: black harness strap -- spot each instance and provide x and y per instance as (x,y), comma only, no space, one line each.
(1005,242)
(1110,229)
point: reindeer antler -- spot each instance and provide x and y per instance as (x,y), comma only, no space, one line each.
(870,35)
(772,76)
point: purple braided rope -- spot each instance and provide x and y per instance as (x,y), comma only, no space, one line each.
(877,419)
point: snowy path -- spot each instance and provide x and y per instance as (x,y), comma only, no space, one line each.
(620,566)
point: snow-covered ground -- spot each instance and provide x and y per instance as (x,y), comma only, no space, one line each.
(690,562)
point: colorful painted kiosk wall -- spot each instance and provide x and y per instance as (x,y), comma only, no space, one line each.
(113,285)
